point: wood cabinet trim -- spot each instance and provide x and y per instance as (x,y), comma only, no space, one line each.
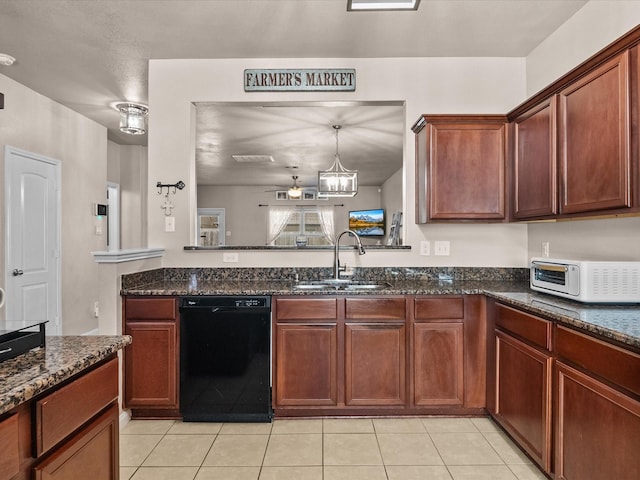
(150,308)
(611,363)
(376,308)
(63,411)
(9,447)
(438,308)
(530,328)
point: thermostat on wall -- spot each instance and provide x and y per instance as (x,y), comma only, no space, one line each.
(99,209)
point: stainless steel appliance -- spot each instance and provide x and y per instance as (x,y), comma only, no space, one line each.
(225,359)
(587,281)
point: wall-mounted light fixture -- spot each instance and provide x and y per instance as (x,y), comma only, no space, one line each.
(337,181)
(133,118)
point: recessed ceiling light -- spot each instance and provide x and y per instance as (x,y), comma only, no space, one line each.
(6,60)
(356,5)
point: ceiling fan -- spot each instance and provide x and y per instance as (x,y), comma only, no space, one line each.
(294,190)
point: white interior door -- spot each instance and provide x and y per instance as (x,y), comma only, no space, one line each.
(32,233)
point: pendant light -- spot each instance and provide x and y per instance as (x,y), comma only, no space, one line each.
(337,181)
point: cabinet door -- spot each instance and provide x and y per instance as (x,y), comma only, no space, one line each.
(523,396)
(438,364)
(534,163)
(375,364)
(597,431)
(466,171)
(91,454)
(151,378)
(594,139)
(306,365)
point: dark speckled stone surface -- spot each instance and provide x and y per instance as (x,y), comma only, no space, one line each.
(620,323)
(36,371)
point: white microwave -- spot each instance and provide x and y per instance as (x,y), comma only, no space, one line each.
(587,281)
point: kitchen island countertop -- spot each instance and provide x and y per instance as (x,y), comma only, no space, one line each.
(30,374)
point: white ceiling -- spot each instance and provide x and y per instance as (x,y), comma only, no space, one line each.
(87,54)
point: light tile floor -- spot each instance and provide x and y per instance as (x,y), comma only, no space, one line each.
(322,449)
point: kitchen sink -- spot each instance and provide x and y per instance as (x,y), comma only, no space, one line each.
(331,284)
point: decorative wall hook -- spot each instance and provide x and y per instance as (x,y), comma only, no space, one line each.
(167,205)
(176,186)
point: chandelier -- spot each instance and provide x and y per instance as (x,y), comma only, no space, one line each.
(337,181)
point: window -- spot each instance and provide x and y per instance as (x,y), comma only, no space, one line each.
(311,225)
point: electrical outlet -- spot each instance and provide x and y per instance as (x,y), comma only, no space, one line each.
(442,247)
(169,224)
(230,257)
(96,309)
(425,247)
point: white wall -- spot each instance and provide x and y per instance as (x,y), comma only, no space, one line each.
(37,124)
(592,28)
(426,85)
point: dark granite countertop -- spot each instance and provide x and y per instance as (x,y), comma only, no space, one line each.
(618,322)
(40,369)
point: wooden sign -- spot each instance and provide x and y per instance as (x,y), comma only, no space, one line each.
(300,80)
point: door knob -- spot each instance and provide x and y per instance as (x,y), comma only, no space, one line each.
(17,272)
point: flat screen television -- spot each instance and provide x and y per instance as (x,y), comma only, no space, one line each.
(367,223)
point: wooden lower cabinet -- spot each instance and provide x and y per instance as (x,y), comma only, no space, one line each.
(375,364)
(523,396)
(597,431)
(438,364)
(92,453)
(151,360)
(378,355)
(306,367)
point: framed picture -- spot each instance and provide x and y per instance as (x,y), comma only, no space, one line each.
(281,195)
(308,195)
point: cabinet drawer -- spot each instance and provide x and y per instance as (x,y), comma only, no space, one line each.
(375,308)
(63,411)
(439,308)
(533,329)
(9,453)
(92,453)
(615,364)
(150,308)
(306,308)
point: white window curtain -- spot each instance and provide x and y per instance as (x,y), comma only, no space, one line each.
(278,219)
(326,222)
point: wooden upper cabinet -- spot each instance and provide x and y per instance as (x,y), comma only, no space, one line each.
(595,160)
(460,167)
(535,192)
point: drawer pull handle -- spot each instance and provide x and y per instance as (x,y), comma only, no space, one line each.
(6,350)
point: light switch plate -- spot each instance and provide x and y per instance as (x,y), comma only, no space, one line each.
(169,224)
(230,257)
(442,247)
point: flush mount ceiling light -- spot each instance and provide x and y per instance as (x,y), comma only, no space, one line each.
(294,191)
(6,60)
(132,117)
(337,181)
(357,5)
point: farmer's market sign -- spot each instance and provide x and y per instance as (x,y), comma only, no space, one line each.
(294,80)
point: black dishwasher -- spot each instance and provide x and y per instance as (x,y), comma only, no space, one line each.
(225,359)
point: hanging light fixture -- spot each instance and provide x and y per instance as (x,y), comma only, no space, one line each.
(294,191)
(133,118)
(337,181)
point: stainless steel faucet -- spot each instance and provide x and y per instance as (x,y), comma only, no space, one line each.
(336,254)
